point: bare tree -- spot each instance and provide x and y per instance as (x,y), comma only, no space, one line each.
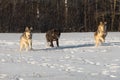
(68,15)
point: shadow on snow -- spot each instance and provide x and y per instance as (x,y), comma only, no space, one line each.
(79,46)
(66,47)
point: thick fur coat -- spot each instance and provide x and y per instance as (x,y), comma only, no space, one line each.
(53,35)
(26,40)
(100,34)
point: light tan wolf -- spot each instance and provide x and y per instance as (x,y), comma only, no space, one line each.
(100,34)
(26,39)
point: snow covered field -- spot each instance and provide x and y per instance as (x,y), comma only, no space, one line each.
(75,59)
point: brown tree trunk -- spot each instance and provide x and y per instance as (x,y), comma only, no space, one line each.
(85,14)
(96,12)
(113,14)
(66,13)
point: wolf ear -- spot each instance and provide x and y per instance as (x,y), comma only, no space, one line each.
(55,30)
(27,29)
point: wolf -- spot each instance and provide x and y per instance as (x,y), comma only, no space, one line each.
(26,39)
(100,34)
(53,35)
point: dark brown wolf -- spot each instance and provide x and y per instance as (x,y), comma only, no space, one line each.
(53,35)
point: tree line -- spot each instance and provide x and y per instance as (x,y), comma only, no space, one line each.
(67,15)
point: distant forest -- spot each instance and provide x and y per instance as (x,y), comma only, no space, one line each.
(67,15)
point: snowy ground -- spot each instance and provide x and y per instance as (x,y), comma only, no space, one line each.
(75,59)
